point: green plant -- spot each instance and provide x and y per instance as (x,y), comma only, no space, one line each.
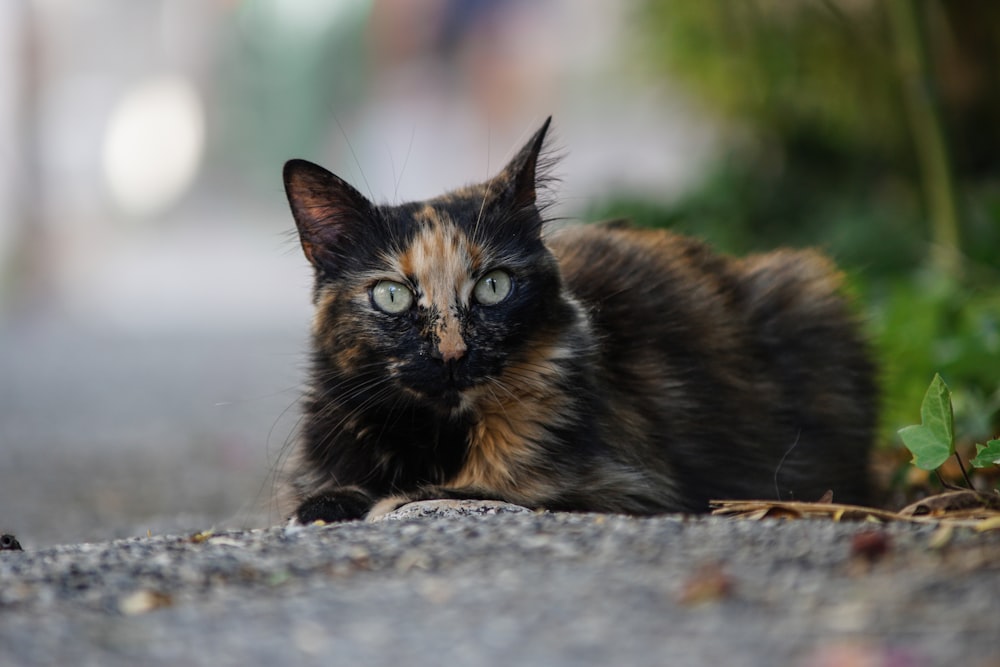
(932,441)
(922,324)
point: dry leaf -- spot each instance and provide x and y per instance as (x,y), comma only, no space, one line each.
(198,538)
(941,536)
(992,523)
(958,508)
(755,509)
(952,501)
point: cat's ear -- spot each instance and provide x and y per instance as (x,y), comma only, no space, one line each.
(521,174)
(325,207)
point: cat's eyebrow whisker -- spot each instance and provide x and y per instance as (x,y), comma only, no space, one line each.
(354,155)
(482,207)
(406,160)
(486,191)
(392,167)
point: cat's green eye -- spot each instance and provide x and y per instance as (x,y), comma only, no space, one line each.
(492,288)
(392,297)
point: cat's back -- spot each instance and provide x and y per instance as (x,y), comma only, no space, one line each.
(761,355)
(641,272)
(647,288)
(663,274)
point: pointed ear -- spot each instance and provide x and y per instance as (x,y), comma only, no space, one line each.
(324,207)
(520,175)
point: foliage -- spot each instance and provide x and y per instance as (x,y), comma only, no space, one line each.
(750,203)
(987,455)
(932,441)
(826,71)
(794,68)
(925,324)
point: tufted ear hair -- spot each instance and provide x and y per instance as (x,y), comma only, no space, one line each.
(520,176)
(326,209)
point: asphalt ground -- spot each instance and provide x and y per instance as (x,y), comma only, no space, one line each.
(106,436)
(501,589)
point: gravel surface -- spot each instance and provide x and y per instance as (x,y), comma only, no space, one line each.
(506,588)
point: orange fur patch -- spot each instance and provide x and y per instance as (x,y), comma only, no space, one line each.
(442,262)
(512,418)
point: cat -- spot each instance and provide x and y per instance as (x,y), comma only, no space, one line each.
(464,348)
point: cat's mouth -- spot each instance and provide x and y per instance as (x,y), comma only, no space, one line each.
(445,400)
(450,392)
(445,392)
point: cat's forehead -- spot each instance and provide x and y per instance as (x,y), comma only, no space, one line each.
(465,208)
(437,238)
(440,257)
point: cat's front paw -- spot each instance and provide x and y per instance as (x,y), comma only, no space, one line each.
(345,505)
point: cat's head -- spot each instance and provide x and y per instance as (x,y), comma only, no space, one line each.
(429,300)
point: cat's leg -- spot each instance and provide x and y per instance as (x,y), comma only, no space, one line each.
(391,503)
(388,504)
(350,503)
(345,504)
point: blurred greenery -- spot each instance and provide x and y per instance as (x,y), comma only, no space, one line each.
(874,120)
(283,80)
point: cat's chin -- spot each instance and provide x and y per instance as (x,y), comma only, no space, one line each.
(448,401)
(453,402)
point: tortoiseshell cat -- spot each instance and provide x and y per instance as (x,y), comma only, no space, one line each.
(460,352)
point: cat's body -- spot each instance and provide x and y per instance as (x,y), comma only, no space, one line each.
(459,352)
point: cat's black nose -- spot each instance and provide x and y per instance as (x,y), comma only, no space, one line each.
(452,370)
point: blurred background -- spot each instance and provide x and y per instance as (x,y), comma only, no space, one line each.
(154,303)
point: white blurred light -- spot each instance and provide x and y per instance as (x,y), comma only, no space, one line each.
(153,144)
(314,15)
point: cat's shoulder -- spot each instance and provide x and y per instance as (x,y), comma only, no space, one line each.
(619,241)
(596,257)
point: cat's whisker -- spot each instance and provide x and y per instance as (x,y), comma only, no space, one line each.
(386,426)
(486,191)
(371,393)
(499,403)
(354,156)
(406,160)
(335,428)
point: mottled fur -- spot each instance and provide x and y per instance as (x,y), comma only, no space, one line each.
(627,371)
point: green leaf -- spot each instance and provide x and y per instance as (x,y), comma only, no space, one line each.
(933,440)
(987,455)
